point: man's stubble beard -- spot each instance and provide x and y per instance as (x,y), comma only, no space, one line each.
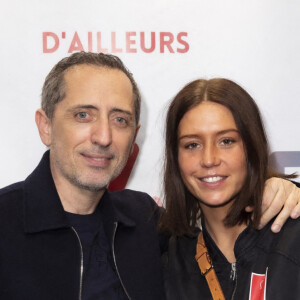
(72,173)
(75,179)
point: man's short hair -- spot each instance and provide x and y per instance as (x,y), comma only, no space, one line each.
(54,86)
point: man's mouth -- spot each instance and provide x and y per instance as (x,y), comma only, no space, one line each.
(98,160)
(97,156)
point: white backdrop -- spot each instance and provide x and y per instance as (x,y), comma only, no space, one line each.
(255,43)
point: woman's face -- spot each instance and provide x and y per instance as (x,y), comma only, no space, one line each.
(211,154)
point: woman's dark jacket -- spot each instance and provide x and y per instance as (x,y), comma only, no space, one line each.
(271,260)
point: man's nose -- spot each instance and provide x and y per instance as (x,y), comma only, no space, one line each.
(101,133)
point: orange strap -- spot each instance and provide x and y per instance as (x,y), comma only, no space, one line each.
(207,269)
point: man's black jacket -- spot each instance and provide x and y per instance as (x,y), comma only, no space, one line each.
(40,255)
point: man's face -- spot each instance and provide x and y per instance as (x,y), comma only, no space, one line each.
(93,128)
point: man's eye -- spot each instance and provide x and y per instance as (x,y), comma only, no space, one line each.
(82,115)
(121,120)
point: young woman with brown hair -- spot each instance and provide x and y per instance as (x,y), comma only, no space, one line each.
(216,165)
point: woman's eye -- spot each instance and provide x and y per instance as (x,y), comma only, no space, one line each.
(191,146)
(227,142)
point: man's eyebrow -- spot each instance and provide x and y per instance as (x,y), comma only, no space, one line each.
(74,108)
(120,110)
(89,106)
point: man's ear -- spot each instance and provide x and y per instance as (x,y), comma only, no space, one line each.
(136,132)
(44,126)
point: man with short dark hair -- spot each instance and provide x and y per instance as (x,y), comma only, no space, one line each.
(57,239)
(62,234)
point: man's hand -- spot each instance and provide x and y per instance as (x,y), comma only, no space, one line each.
(282,196)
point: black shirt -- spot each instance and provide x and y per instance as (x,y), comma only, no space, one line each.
(100,280)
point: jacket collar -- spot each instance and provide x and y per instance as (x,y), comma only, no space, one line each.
(245,241)
(43,209)
(112,211)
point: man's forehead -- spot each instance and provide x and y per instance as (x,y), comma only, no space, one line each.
(99,75)
(96,84)
(77,70)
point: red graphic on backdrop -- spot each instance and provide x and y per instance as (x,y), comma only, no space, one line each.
(258,286)
(120,182)
(113,42)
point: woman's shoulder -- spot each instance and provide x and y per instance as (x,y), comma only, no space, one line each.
(182,276)
(285,243)
(182,246)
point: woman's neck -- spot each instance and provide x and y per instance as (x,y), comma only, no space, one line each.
(224,237)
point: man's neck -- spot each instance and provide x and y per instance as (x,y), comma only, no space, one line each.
(77,200)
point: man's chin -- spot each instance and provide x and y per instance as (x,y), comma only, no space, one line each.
(93,187)
(89,185)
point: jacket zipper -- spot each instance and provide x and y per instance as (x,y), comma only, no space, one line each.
(235,277)
(81,264)
(233,271)
(114,257)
